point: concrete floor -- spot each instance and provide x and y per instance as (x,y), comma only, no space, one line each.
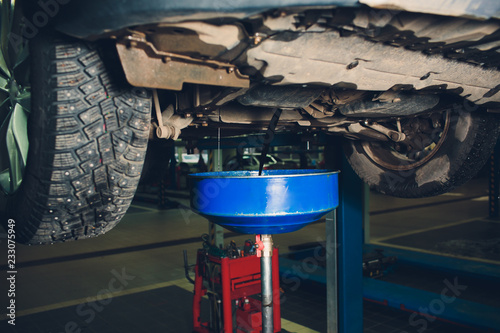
(146,248)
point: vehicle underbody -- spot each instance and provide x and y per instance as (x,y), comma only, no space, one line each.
(391,80)
(414,94)
(336,70)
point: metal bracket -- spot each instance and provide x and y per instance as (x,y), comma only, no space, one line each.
(169,125)
(393,135)
(145,66)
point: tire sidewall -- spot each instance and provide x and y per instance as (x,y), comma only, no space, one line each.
(449,166)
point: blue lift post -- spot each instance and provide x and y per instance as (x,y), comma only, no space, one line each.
(346,272)
(350,251)
(343,275)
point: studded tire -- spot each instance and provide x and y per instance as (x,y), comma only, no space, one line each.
(88,139)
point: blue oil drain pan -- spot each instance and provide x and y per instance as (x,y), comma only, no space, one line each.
(276,202)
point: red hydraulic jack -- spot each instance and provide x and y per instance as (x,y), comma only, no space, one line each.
(232,282)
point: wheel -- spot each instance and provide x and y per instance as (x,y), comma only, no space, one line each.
(87,143)
(441,151)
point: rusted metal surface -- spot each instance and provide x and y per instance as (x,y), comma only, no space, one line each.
(212,41)
(146,67)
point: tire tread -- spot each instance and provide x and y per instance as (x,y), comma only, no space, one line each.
(77,183)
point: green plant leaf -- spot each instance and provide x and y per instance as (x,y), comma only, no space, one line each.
(12,5)
(14,166)
(4,84)
(17,146)
(5,181)
(24,98)
(4,113)
(5,28)
(19,124)
(4,70)
(14,105)
(4,152)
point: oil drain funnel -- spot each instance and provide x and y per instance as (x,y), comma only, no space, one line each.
(276,202)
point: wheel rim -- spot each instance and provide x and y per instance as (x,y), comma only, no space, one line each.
(386,155)
(15,99)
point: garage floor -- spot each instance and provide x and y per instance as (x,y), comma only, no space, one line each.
(65,287)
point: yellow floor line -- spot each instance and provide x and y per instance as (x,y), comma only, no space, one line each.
(294,327)
(144,208)
(90,299)
(485,198)
(413,249)
(407,233)
(181,283)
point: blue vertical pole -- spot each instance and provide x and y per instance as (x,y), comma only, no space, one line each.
(344,266)
(350,251)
